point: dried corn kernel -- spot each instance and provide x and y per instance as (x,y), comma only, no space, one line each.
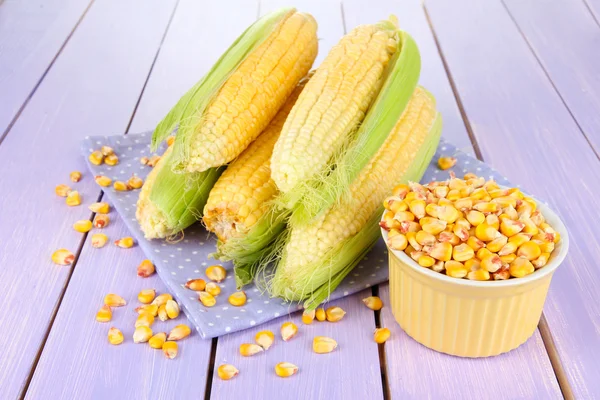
(227,371)
(491,263)
(115,336)
(445,163)
(425,239)
(124,243)
(433,226)
(142,334)
(473,264)
(213,289)
(541,261)
(179,332)
(216,273)
(320,314)
(102,180)
(62,190)
(111,160)
(96,158)
(441,251)
(172,309)
(151,309)
(449,237)
(463,204)
(373,302)
(448,214)
(497,244)
(144,160)
(401,191)
(520,238)
(135,182)
(412,240)
(264,339)
(475,217)
(479,275)
(144,319)
(75,176)
(101,221)
(508,248)
(196,284)
(507,259)
(288,331)
(460,232)
(100,208)
(521,267)
(426,261)
(121,186)
(475,243)
(237,299)
(398,242)
(323,344)
(106,151)
(157,341)
(455,269)
(99,240)
(162,299)
(250,349)
(104,314)
(207,299)
(381,335)
(114,300)
(145,269)
(63,257)
(529,250)
(285,369)
(162,312)
(510,228)
(335,314)
(463,252)
(73,198)
(153,160)
(308,317)
(486,233)
(170,349)
(417,208)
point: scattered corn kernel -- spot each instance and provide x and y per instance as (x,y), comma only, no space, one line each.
(121,186)
(99,240)
(135,182)
(250,349)
(264,339)
(170,349)
(144,319)
(213,289)
(104,314)
(101,221)
(106,151)
(227,371)
(100,208)
(162,299)
(96,158)
(373,302)
(324,344)
(153,161)
(144,160)
(207,299)
(62,190)
(285,369)
(73,198)
(111,160)
(75,176)
(115,336)
(237,299)
(114,300)
(162,312)
(196,284)
(179,332)
(63,257)
(125,242)
(335,314)
(445,163)
(157,341)
(102,180)
(145,269)
(172,309)
(216,273)
(142,334)
(146,296)
(288,331)
(308,317)
(381,335)
(320,314)
(151,309)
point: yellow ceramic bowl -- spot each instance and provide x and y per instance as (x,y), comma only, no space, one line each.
(471,318)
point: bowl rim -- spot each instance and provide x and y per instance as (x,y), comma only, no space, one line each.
(557,257)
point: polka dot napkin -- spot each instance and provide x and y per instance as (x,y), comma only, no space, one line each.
(177,263)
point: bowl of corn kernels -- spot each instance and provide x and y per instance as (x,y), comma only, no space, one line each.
(470,263)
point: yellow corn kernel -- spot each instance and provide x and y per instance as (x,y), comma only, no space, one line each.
(334,314)
(151,309)
(425,239)
(320,315)
(448,214)
(99,240)
(453,195)
(216,273)
(475,243)
(114,300)
(179,332)
(389,222)
(62,190)
(479,275)
(431,210)
(111,160)
(102,180)
(146,296)
(207,299)
(135,182)
(157,341)
(556,237)
(153,161)
(73,198)
(265,339)
(308,317)
(401,190)
(426,261)
(393,232)
(397,242)
(394,204)
(142,334)
(83,225)
(511,213)
(541,261)
(124,243)
(418,195)
(170,349)
(445,163)
(404,216)
(493,220)
(381,335)
(227,371)
(144,319)
(472,264)
(101,221)
(433,225)
(438,266)
(196,284)
(285,369)
(510,228)
(475,217)
(162,312)
(373,302)
(521,267)
(530,227)
(497,244)
(162,299)
(96,158)
(525,209)
(441,192)
(519,238)
(455,269)
(449,237)
(465,204)
(529,250)
(502,274)
(441,251)
(172,309)
(507,259)
(144,160)
(415,255)
(409,226)
(104,314)
(483,253)
(323,344)
(121,186)
(508,248)
(470,175)
(145,269)
(237,299)
(250,349)
(412,240)
(170,140)
(417,208)
(486,233)
(106,151)
(213,289)
(491,263)
(288,330)
(445,202)
(463,252)
(75,176)
(461,232)
(115,336)
(100,208)
(546,247)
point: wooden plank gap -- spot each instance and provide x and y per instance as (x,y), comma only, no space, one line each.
(380,347)
(162,39)
(557,366)
(211,368)
(543,68)
(587,5)
(55,309)
(50,65)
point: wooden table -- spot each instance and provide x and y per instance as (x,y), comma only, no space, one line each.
(518,85)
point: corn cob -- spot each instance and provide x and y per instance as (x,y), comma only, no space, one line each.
(317,256)
(333,104)
(235,101)
(169,202)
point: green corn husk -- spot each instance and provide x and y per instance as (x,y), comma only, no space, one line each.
(320,193)
(170,202)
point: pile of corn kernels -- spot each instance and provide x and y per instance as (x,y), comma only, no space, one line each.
(469,228)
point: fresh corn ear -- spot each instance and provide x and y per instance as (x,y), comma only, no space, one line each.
(333,104)
(224,112)
(324,190)
(317,255)
(170,202)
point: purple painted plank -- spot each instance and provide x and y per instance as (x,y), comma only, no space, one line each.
(524,130)
(31,34)
(566,39)
(594,7)
(433,76)
(425,364)
(350,372)
(92,88)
